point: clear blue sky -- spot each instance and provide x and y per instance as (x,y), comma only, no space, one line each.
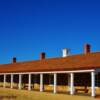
(28,27)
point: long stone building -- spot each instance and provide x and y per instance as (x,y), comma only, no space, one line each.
(69,70)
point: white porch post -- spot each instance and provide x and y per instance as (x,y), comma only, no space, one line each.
(71,83)
(93,84)
(11,81)
(20,81)
(55,83)
(29,82)
(41,82)
(4,84)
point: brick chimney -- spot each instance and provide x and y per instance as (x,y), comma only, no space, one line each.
(14,60)
(65,52)
(42,55)
(87,48)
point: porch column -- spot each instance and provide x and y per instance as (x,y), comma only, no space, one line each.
(11,81)
(4,84)
(29,82)
(41,82)
(93,84)
(20,81)
(71,83)
(55,83)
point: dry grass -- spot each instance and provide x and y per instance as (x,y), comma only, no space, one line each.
(36,95)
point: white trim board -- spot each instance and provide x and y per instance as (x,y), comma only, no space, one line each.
(52,72)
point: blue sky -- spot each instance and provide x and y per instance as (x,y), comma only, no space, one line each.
(28,27)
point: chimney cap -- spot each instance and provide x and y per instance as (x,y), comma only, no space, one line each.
(87,44)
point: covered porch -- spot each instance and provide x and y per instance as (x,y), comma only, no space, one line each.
(70,80)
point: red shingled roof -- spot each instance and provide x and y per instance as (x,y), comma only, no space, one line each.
(72,62)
